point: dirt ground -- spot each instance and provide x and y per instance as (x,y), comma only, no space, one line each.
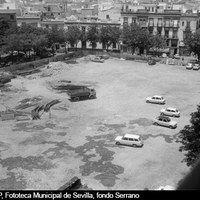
(78,139)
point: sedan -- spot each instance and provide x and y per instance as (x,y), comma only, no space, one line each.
(196,66)
(173,112)
(189,66)
(164,121)
(156,99)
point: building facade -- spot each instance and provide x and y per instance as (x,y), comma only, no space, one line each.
(165,20)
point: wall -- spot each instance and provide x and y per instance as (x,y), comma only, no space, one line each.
(35,64)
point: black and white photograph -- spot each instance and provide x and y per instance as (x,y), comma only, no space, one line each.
(99,95)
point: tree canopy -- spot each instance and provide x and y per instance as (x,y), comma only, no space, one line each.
(93,35)
(192,41)
(136,37)
(190,139)
(73,35)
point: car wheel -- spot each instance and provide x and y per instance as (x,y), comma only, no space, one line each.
(118,143)
(161,113)
(134,145)
(155,123)
(91,96)
(173,115)
(147,101)
(171,127)
(76,98)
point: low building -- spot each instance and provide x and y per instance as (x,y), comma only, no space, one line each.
(85,23)
(8,15)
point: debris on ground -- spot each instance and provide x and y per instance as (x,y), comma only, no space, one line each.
(28,102)
(10,114)
(35,113)
(73,184)
(27,72)
(5,77)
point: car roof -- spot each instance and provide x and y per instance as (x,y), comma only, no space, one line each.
(170,108)
(131,135)
(163,117)
(158,96)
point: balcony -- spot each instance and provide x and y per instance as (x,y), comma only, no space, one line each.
(171,24)
(151,24)
(143,24)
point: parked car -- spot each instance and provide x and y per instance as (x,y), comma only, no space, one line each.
(98,59)
(156,99)
(189,66)
(173,112)
(177,56)
(196,66)
(105,56)
(164,121)
(130,140)
(151,62)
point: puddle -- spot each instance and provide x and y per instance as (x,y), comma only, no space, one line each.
(103,165)
(168,138)
(29,163)
(3,146)
(62,134)
(141,122)
(30,127)
(12,183)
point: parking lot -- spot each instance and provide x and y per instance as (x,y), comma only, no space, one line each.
(78,139)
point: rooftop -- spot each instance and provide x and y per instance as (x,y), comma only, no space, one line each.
(131,135)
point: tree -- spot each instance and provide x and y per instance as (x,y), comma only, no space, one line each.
(157,43)
(55,35)
(104,35)
(40,44)
(190,139)
(133,35)
(192,41)
(115,34)
(73,35)
(93,35)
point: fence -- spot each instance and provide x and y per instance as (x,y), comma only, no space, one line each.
(36,63)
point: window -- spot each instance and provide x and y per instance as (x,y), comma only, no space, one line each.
(125,20)
(174,43)
(83,28)
(175,34)
(133,20)
(12,17)
(183,23)
(114,45)
(131,139)
(167,33)
(125,138)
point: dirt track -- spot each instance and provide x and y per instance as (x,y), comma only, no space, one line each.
(78,140)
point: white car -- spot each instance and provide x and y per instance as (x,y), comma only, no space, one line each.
(189,66)
(98,59)
(177,56)
(196,66)
(173,112)
(164,121)
(156,99)
(130,140)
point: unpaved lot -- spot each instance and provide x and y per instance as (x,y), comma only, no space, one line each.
(78,139)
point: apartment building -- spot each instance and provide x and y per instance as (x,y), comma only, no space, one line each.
(168,20)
